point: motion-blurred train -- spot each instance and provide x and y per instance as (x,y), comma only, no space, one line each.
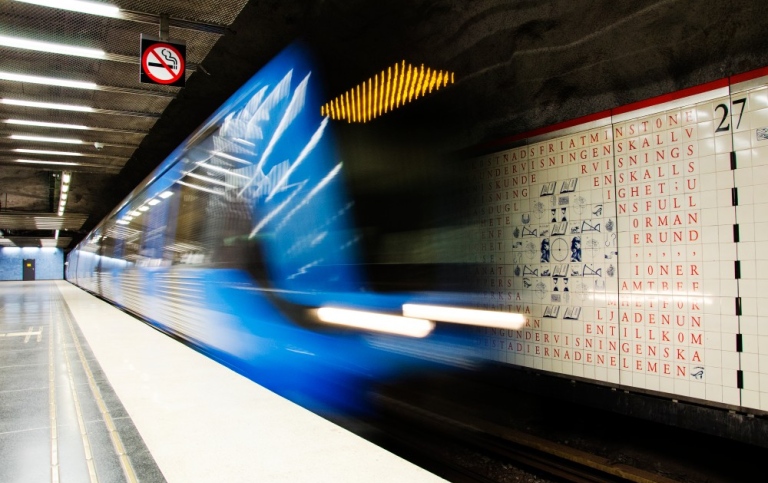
(312,264)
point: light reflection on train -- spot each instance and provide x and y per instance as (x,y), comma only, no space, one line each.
(245,244)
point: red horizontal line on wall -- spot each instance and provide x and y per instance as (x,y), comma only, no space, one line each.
(672,96)
(752,74)
(549,129)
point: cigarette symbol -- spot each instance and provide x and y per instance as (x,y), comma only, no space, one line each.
(173,62)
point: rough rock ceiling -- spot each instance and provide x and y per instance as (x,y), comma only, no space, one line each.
(519,65)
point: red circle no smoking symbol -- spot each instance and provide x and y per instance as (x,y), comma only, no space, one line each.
(163,63)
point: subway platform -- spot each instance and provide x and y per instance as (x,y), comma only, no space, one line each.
(89,393)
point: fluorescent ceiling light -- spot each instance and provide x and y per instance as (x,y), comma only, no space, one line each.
(64,188)
(135,213)
(46,124)
(47,105)
(92,8)
(42,151)
(484,318)
(42,139)
(128,218)
(66,177)
(166,194)
(144,208)
(49,81)
(64,196)
(392,324)
(123,222)
(153,202)
(28,44)
(30,161)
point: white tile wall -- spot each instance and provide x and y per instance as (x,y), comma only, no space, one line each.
(636,220)
(751,177)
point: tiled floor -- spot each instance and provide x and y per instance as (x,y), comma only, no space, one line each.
(60,420)
(200,421)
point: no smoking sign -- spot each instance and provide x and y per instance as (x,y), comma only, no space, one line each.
(162,62)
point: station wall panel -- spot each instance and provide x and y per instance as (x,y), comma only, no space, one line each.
(635,241)
(49,263)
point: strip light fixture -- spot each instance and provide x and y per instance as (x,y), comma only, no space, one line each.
(393,88)
(46,124)
(47,105)
(48,81)
(43,139)
(103,9)
(32,161)
(50,153)
(27,44)
(66,178)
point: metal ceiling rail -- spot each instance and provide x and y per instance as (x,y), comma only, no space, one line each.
(113,112)
(138,92)
(151,18)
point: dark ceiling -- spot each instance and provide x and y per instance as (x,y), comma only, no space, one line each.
(518,65)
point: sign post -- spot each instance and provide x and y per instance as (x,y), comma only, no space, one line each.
(163,62)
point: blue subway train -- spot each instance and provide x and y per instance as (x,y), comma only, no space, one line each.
(295,255)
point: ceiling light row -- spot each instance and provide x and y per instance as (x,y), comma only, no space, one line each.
(66,178)
(47,105)
(49,81)
(27,44)
(43,139)
(44,151)
(102,9)
(32,161)
(57,125)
